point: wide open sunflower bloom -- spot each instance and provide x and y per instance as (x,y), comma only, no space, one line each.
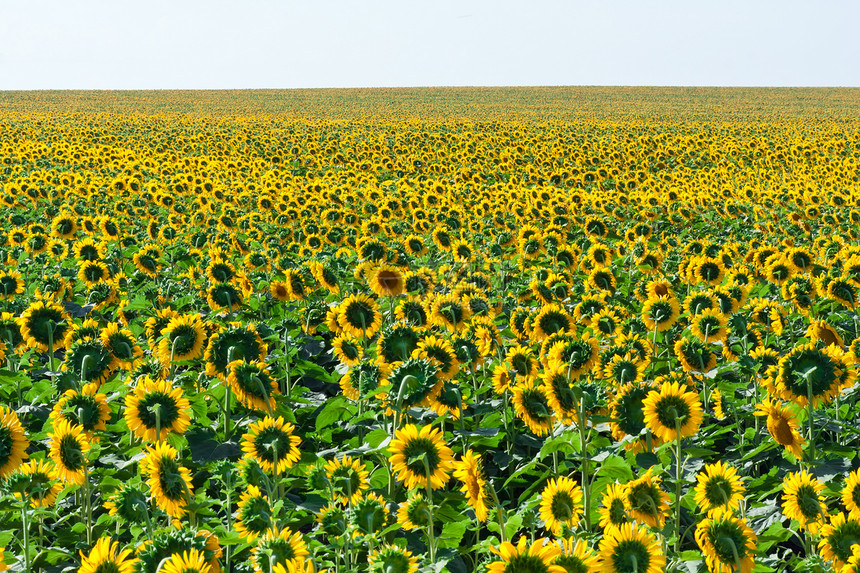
(671,410)
(561,504)
(106,556)
(155,409)
(537,557)
(631,548)
(419,453)
(271,442)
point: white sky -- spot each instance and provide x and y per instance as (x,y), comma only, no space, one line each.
(201,44)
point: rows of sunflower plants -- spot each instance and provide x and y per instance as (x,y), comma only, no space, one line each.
(285,344)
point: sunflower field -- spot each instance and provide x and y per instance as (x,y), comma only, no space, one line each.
(527,330)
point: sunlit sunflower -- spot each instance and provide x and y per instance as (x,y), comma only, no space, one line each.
(254,515)
(577,557)
(224,297)
(392,559)
(348,479)
(728,543)
(193,561)
(440,353)
(802,500)
(782,424)
(671,411)
(622,369)
(412,312)
(578,356)
(627,413)
(694,355)
(235,341)
(122,345)
(537,557)
(709,325)
(45,323)
(106,556)
(613,509)
(11,284)
(449,312)
(646,501)
(128,504)
(561,504)
(155,408)
(359,316)
(169,482)
(551,318)
(808,370)
(631,548)
(252,384)
(561,393)
(532,407)
(386,280)
(182,338)
(419,454)
(837,538)
(279,547)
(69,448)
(851,494)
(272,443)
(469,470)
(718,486)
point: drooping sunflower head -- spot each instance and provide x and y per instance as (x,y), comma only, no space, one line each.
(695,355)
(660,312)
(254,515)
(614,510)
(628,416)
(449,312)
(69,448)
(234,342)
(413,382)
(88,360)
(45,323)
(808,370)
(532,407)
(413,513)
(551,319)
(182,338)
(86,407)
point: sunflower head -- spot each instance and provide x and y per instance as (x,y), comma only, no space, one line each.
(421,454)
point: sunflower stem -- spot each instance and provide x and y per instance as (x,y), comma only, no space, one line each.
(227,428)
(431,536)
(809,409)
(25,526)
(586,487)
(677,484)
(51,346)
(499,515)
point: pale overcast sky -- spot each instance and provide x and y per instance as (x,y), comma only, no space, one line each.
(200,44)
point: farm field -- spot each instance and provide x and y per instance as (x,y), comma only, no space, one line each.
(506,330)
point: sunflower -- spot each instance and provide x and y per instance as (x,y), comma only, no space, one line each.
(279,547)
(851,494)
(413,313)
(369,514)
(254,515)
(561,504)
(106,556)
(646,502)
(439,352)
(802,500)
(419,454)
(539,557)
(837,538)
(709,325)
(630,548)
(123,348)
(532,407)
(169,482)
(413,382)
(522,362)
(808,370)
(577,356)
(359,316)
(155,325)
(614,510)
(220,271)
(627,413)
(727,542)
(397,343)
(155,408)
(236,341)
(271,442)
(560,393)
(392,559)
(88,360)
(449,312)
(252,384)
(193,561)
(469,470)
(695,355)
(386,281)
(69,447)
(363,378)
(224,297)
(128,504)
(333,520)
(719,487)
(660,312)
(782,425)
(11,284)
(521,321)
(551,319)
(818,330)
(623,368)
(44,323)
(92,272)
(348,479)
(146,260)
(279,291)
(602,279)
(86,407)
(181,339)
(35,482)
(672,410)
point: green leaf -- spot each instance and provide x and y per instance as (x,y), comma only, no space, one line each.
(335,410)
(452,533)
